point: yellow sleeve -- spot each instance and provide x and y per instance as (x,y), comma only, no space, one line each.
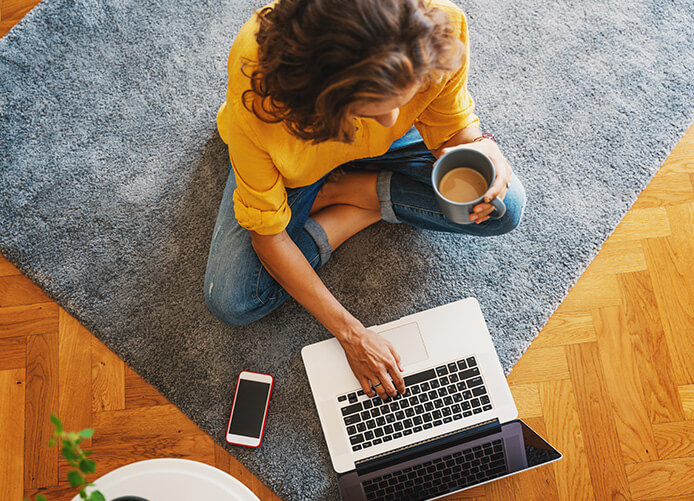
(452,109)
(260,198)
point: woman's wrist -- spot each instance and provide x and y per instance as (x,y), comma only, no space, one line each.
(484,135)
(348,329)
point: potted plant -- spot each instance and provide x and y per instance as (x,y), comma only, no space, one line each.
(69,444)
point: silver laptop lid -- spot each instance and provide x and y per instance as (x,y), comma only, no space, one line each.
(459,461)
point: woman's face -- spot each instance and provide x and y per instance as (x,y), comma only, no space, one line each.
(385,112)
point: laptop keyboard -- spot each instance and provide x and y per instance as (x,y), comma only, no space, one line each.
(432,397)
(441,475)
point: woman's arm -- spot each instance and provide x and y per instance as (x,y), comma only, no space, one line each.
(370,356)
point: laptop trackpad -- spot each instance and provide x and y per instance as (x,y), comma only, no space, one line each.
(408,342)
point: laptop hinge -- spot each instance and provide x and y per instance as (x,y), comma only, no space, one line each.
(434,444)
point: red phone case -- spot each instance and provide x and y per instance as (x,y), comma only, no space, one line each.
(262,430)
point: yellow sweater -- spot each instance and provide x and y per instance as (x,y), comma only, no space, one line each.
(267,158)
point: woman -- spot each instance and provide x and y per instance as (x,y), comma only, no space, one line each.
(377,88)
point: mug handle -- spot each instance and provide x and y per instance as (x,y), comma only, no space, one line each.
(500,208)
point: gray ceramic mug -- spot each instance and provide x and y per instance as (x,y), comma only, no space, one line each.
(472,159)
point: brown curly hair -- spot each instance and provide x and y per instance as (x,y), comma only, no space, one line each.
(317,58)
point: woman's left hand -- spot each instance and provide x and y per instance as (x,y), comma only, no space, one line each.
(482,211)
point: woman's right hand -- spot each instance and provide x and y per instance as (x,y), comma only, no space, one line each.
(374,362)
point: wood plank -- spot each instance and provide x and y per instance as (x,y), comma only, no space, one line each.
(671,477)
(40,461)
(643,223)
(139,393)
(113,454)
(566,328)
(619,256)
(671,498)
(18,289)
(123,436)
(29,319)
(54,493)
(12,353)
(674,440)
(666,189)
(560,414)
(650,348)
(686,394)
(6,268)
(527,398)
(592,290)
(670,263)
(507,488)
(597,422)
(108,379)
(74,370)
(624,386)
(12,384)
(6,26)
(141,422)
(14,10)
(540,364)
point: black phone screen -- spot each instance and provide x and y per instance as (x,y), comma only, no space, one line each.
(249,408)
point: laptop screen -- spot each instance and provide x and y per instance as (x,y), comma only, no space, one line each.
(508,449)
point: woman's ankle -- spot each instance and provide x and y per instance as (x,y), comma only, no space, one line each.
(340,221)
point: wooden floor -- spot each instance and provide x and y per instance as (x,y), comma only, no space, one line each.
(609,381)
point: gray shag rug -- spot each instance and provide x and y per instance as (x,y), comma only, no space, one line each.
(112,171)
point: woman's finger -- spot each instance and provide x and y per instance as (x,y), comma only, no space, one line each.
(483,207)
(481,213)
(365,385)
(378,386)
(387,383)
(503,176)
(495,189)
(399,382)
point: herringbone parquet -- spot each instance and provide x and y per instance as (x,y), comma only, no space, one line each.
(609,381)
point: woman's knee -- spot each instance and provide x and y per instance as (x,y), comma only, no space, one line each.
(515,204)
(228,303)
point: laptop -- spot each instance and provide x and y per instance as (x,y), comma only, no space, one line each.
(454,428)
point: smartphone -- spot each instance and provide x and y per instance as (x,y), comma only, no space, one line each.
(249,410)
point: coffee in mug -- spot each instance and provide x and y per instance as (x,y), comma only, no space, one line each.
(462,185)
(460,178)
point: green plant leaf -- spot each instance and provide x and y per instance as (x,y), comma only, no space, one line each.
(86,433)
(51,442)
(68,453)
(86,453)
(96,496)
(87,466)
(40,497)
(75,478)
(56,422)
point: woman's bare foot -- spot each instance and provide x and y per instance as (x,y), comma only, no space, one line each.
(356,188)
(346,204)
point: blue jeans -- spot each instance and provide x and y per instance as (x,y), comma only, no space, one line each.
(238,289)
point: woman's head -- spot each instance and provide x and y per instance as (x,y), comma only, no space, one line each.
(322,62)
